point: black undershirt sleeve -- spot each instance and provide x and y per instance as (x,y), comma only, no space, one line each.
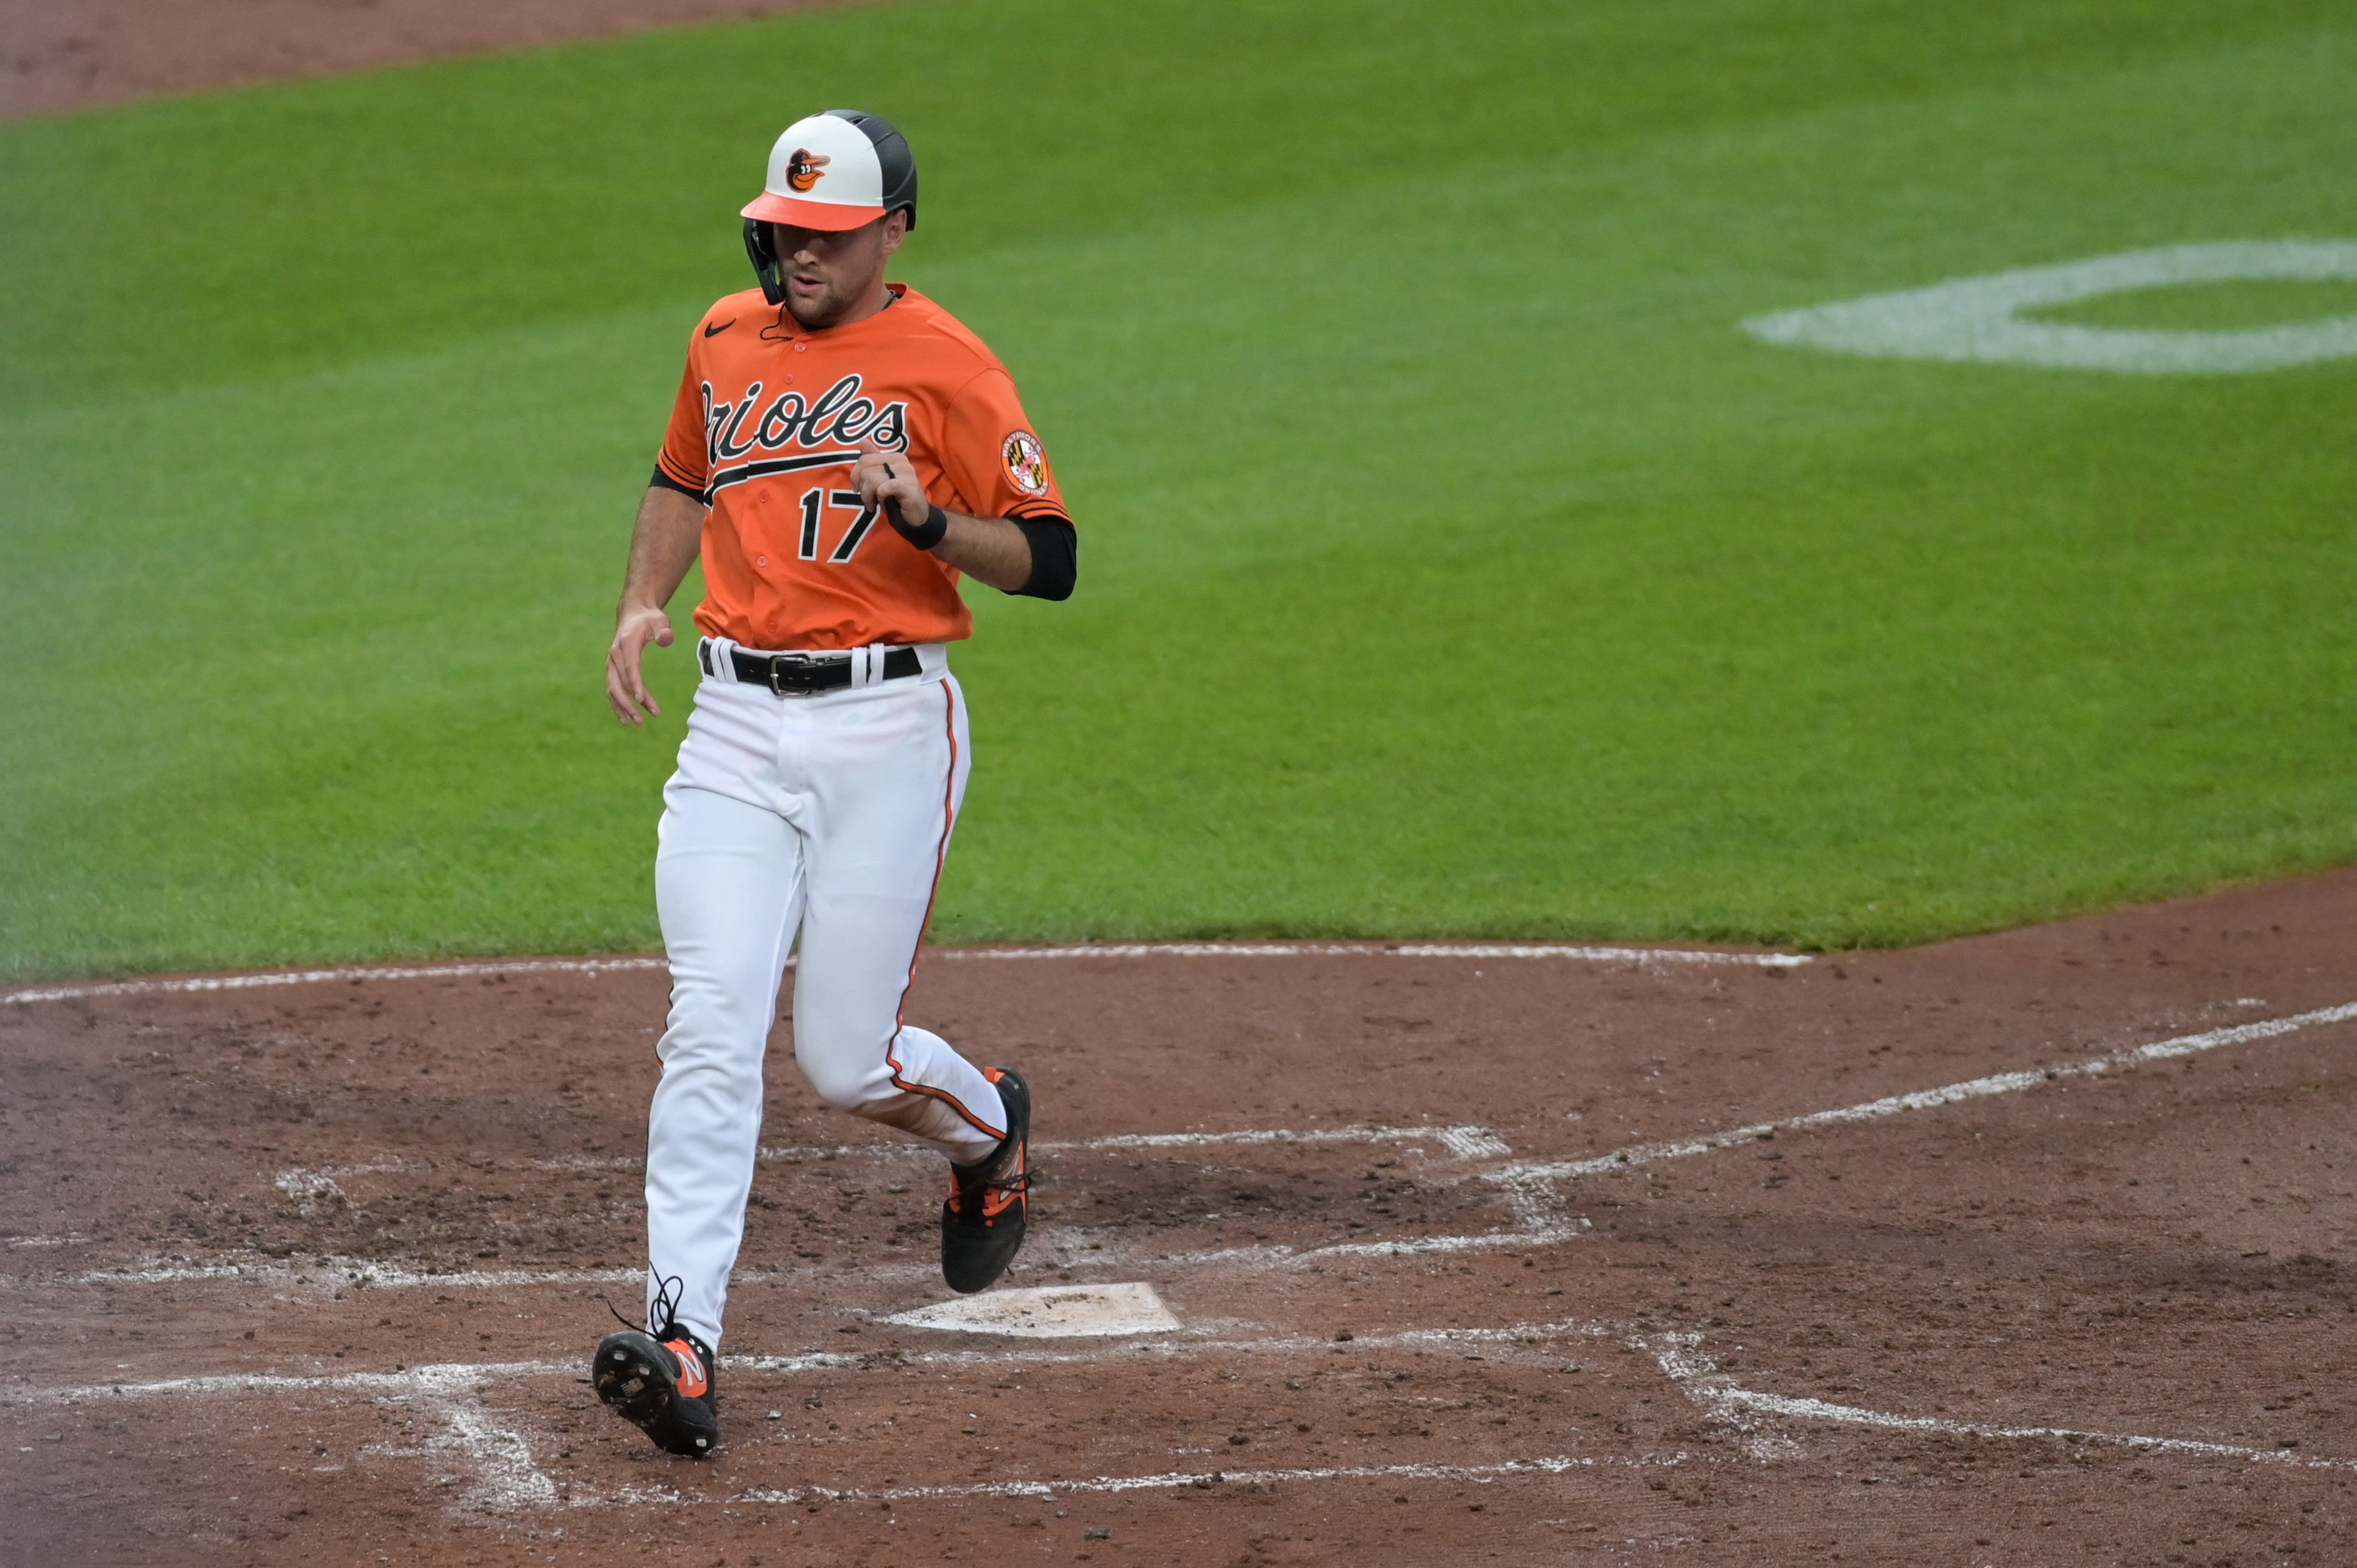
(667,482)
(1055,556)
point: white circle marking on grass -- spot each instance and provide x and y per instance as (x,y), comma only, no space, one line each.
(1980,319)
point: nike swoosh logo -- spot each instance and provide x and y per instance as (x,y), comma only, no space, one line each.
(710,331)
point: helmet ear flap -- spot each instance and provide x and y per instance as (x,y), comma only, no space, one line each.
(761,247)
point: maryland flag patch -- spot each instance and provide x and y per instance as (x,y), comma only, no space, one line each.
(1026,463)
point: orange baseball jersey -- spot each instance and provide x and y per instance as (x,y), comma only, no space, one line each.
(768,422)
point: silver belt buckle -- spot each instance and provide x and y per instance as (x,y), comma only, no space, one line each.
(782,663)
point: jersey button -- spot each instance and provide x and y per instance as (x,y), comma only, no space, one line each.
(760,561)
(799,348)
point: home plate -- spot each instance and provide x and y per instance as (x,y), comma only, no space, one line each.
(1056,1312)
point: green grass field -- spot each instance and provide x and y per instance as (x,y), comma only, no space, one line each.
(1452,563)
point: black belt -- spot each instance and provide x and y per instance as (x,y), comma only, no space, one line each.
(807,674)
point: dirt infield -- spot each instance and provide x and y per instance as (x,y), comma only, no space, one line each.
(2031,1249)
(306,1273)
(63,55)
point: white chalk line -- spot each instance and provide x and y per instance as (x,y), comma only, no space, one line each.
(308,1186)
(1479,1475)
(1539,1220)
(336,1273)
(1681,1359)
(594,966)
(1525,1176)
(500,1469)
(1500,1341)
(407,1380)
(469,1375)
(504,1473)
(1529,1189)
(501,1473)
(327,976)
(496,1465)
(1466,1143)
(1636,955)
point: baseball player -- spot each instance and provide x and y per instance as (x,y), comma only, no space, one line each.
(826,756)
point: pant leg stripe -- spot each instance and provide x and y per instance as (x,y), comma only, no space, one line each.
(941,860)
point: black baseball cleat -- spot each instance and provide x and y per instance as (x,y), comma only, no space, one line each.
(982,1223)
(663,1382)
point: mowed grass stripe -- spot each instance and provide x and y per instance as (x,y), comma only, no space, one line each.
(1453,566)
(202,238)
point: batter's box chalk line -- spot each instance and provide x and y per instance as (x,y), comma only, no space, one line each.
(1172,1481)
(311,1186)
(1530,1189)
(489,1460)
(333,1273)
(447,1378)
(1638,957)
(1069,1248)
(498,1470)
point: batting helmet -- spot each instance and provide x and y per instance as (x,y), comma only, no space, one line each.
(835,170)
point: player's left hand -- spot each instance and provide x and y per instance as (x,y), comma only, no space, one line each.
(882,475)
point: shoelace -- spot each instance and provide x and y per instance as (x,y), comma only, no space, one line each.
(664,1326)
(970,1200)
(662,1314)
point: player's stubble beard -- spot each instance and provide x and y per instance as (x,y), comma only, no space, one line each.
(847,265)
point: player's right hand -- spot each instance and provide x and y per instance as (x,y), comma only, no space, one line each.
(626,681)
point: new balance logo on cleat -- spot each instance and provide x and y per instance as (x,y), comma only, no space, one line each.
(662,1382)
(982,1223)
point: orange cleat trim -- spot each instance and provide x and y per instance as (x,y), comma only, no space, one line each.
(692,1380)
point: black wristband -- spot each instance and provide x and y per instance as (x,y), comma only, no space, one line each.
(923,535)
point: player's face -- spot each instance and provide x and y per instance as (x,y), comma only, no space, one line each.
(833,274)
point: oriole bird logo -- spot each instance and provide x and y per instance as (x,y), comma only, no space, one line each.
(806,169)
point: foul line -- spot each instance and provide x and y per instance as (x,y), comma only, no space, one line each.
(1923,1100)
(1851,1415)
(1695,1375)
(1638,956)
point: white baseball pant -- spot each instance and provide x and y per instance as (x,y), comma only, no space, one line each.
(826,818)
